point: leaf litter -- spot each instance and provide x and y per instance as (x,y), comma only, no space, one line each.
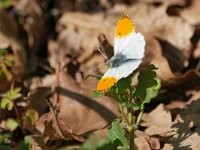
(170,122)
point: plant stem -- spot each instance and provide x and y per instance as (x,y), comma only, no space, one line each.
(131,138)
(124,115)
(139,116)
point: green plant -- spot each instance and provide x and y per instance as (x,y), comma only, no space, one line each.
(130,99)
(24,119)
(6,63)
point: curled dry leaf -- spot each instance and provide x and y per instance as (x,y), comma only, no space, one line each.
(88,115)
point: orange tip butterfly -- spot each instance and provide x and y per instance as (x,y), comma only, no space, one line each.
(128,53)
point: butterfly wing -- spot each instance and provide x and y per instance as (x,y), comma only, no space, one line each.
(127,41)
(127,68)
(112,75)
(108,80)
(124,31)
(135,47)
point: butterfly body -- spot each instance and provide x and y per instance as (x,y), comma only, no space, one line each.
(128,54)
(119,59)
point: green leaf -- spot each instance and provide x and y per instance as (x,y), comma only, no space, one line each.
(13,94)
(9,63)
(4,102)
(3,137)
(24,146)
(117,135)
(4,147)
(153,91)
(6,4)
(97,143)
(3,52)
(124,84)
(31,116)
(137,106)
(11,124)
(148,85)
(10,105)
(95,95)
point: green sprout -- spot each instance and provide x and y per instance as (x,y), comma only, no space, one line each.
(6,62)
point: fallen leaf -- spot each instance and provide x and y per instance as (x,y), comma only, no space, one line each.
(190,14)
(88,115)
(158,121)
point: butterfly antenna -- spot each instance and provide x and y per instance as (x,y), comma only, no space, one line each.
(97,67)
(102,54)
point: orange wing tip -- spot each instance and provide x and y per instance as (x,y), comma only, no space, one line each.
(106,83)
(124,26)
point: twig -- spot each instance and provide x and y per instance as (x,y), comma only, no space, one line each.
(55,118)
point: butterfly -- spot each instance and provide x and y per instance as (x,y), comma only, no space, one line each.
(129,47)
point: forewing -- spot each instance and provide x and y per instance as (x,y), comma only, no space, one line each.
(135,47)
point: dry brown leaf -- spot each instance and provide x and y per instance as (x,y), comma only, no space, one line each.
(158,121)
(196,54)
(86,29)
(32,15)
(78,115)
(189,80)
(160,25)
(191,13)
(153,142)
(142,144)
(10,31)
(4,42)
(170,2)
(153,55)
(187,133)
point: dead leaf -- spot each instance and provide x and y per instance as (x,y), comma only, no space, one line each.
(88,115)
(158,121)
(142,144)
(190,14)
(33,21)
(10,30)
(160,25)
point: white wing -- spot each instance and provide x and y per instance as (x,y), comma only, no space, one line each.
(123,70)
(135,47)
(112,75)
(132,46)
(120,43)
(111,72)
(127,68)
